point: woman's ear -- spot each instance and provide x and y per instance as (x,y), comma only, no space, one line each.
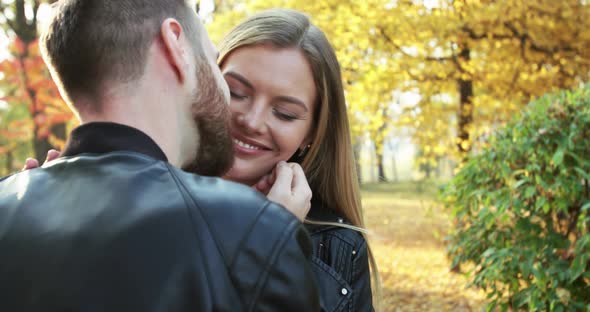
(308,141)
(175,46)
(303,150)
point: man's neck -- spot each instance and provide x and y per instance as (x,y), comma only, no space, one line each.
(156,127)
(151,105)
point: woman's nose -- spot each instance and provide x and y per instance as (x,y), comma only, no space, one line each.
(254,119)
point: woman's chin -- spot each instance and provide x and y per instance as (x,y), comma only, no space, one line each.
(236,176)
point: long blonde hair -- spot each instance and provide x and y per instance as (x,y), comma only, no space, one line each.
(329,163)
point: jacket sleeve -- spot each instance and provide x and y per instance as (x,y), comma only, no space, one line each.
(6,177)
(264,247)
(361,280)
(272,268)
(291,284)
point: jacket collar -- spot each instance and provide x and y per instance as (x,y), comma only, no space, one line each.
(321,212)
(106,137)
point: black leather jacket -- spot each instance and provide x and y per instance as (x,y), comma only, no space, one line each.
(123,231)
(340,262)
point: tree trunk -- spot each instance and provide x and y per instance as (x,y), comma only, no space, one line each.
(372,166)
(59,130)
(41,147)
(393,150)
(428,171)
(8,165)
(465,119)
(379,145)
(357,160)
(465,114)
(394,172)
(380,170)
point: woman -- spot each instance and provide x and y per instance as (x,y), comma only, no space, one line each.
(287,103)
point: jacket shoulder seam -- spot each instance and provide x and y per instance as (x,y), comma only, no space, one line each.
(182,188)
(248,232)
(277,250)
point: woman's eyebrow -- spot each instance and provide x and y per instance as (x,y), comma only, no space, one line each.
(240,78)
(292,100)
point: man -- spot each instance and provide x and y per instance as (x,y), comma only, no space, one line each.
(114,225)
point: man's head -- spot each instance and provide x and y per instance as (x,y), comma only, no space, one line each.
(95,48)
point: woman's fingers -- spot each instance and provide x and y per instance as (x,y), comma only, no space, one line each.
(31,163)
(51,155)
(291,189)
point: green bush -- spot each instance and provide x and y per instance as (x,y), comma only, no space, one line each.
(521,209)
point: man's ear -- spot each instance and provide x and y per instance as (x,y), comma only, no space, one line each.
(171,33)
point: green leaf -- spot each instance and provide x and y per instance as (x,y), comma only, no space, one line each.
(529,192)
(490,307)
(559,308)
(546,208)
(488,253)
(557,159)
(578,266)
(584,174)
(519,183)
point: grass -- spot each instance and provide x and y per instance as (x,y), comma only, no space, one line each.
(409,229)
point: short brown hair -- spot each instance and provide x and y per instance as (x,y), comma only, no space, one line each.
(89,42)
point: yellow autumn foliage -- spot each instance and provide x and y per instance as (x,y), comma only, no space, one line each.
(474,63)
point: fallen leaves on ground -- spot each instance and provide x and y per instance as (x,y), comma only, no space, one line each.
(409,228)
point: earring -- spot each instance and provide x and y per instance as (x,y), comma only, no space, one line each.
(303,151)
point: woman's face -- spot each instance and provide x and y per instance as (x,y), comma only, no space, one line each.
(272,103)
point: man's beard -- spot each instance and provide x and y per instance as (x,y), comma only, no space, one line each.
(210,111)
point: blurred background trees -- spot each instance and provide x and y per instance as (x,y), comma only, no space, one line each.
(445,73)
(429,83)
(33,116)
(468,66)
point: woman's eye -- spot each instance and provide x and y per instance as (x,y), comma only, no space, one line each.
(237,96)
(284,116)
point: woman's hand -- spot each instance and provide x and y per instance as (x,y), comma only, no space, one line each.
(32,163)
(266,182)
(287,186)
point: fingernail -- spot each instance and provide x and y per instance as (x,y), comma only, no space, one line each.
(282,163)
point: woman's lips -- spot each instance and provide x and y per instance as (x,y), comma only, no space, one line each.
(248,148)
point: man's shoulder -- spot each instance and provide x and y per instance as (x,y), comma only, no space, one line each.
(233,210)
(217,196)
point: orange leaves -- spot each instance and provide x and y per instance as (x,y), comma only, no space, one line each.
(16,130)
(8,68)
(26,81)
(9,72)
(40,82)
(19,48)
(40,119)
(59,118)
